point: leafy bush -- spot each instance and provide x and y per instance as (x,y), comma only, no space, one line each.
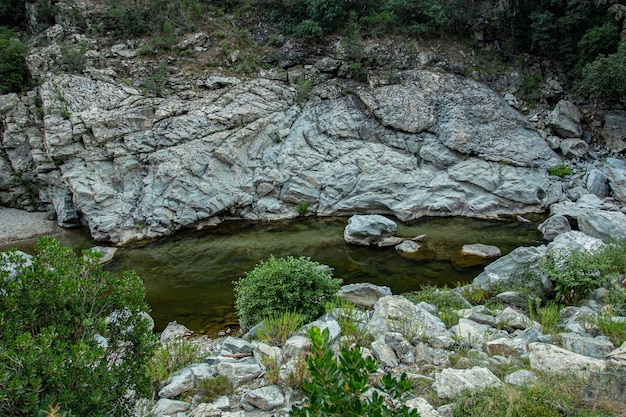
(211,388)
(277,328)
(336,386)
(280,285)
(606,76)
(14,74)
(576,273)
(70,334)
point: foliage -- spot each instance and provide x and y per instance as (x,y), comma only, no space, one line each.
(336,386)
(302,208)
(576,273)
(548,316)
(530,88)
(349,318)
(606,76)
(70,334)
(442,298)
(303,89)
(560,170)
(73,58)
(279,285)
(171,356)
(277,328)
(551,396)
(211,388)
(154,83)
(14,73)
(614,329)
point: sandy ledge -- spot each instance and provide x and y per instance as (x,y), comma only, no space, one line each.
(16,225)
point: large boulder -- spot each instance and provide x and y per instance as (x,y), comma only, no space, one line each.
(575,240)
(450,382)
(616,174)
(605,225)
(363,294)
(368,229)
(564,120)
(512,267)
(554,226)
(546,357)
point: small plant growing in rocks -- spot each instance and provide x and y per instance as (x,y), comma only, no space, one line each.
(278,328)
(211,388)
(560,170)
(336,385)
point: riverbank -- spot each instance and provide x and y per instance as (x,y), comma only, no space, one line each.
(17,225)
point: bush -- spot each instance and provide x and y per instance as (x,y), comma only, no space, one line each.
(169,357)
(280,285)
(606,76)
(70,334)
(14,74)
(576,273)
(211,388)
(336,386)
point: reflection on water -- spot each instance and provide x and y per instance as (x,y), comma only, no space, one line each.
(188,277)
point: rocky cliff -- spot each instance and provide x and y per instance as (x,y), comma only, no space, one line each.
(132,166)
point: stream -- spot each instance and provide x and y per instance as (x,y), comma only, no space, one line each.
(189,276)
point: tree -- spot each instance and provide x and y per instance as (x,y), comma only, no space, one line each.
(606,76)
(70,334)
(14,74)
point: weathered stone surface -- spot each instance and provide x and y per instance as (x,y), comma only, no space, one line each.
(616,174)
(597,183)
(239,372)
(504,346)
(575,240)
(514,298)
(475,254)
(520,378)
(423,407)
(565,120)
(236,346)
(452,382)
(554,226)
(295,346)
(476,335)
(589,346)
(138,167)
(205,410)
(174,331)
(405,352)
(514,319)
(477,317)
(614,130)
(574,148)
(550,358)
(397,314)
(507,268)
(608,384)
(167,407)
(363,294)
(384,353)
(368,229)
(583,204)
(605,225)
(265,398)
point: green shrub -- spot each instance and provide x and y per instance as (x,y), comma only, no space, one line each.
(73,58)
(548,316)
(277,328)
(303,89)
(169,357)
(70,334)
(336,385)
(442,298)
(211,388)
(606,76)
(279,285)
(576,273)
(302,208)
(14,74)
(560,170)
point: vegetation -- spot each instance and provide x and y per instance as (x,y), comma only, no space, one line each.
(347,316)
(280,285)
(560,170)
(576,273)
(336,385)
(211,388)
(70,334)
(551,396)
(277,328)
(14,74)
(169,357)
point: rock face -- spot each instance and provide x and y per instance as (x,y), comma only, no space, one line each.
(565,120)
(132,167)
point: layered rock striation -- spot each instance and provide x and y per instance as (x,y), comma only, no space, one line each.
(133,167)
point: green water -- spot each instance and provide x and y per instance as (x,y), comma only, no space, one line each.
(188,277)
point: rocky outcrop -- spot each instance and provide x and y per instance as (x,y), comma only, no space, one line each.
(132,166)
